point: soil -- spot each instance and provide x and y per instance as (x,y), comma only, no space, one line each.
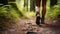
(28,26)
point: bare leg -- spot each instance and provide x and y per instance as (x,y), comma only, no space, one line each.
(43,10)
(37,9)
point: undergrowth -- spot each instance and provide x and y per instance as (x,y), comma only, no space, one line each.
(8,16)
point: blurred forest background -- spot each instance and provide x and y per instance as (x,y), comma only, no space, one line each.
(26,9)
(15,9)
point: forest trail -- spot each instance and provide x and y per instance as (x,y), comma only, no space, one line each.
(28,26)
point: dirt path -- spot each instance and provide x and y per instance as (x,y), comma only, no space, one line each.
(28,26)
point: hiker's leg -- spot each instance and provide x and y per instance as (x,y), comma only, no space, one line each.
(37,9)
(43,10)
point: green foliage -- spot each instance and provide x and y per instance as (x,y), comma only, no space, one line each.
(53,12)
(27,14)
(8,16)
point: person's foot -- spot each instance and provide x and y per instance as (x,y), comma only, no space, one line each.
(38,20)
(42,20)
